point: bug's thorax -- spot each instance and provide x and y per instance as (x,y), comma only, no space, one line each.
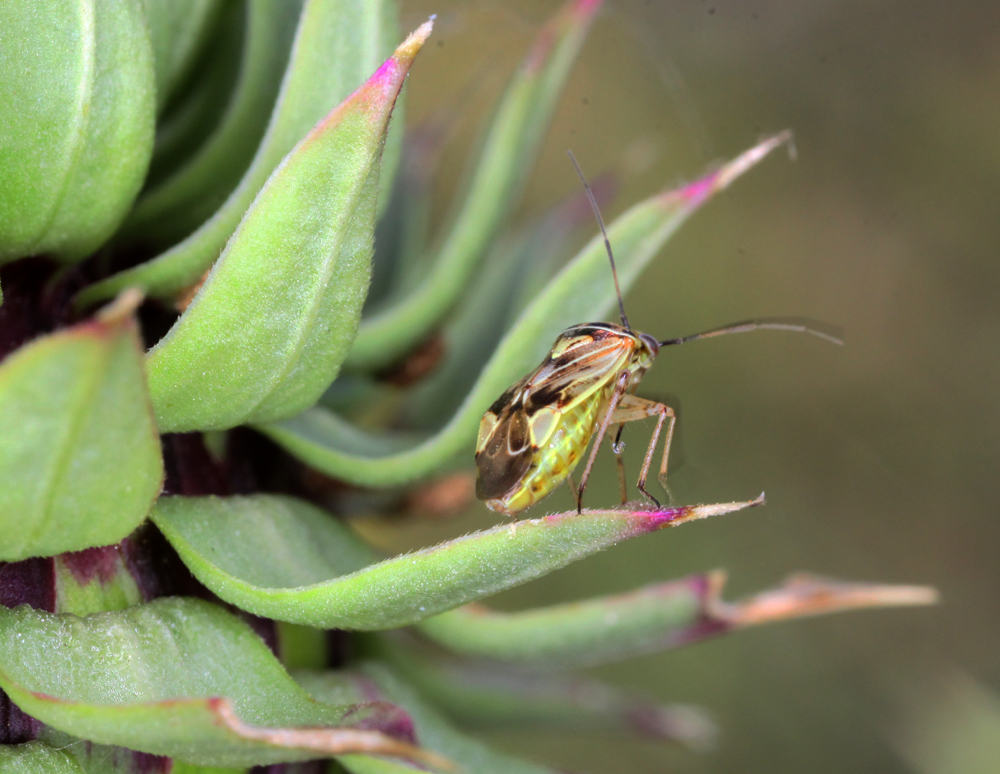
(642,347)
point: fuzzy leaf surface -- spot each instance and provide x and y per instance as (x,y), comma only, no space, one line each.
(581,291)
(509,151)
(36,758)
(338,44)
(77,101)
(320,574)
(159,678)
(80,461)
(267,332)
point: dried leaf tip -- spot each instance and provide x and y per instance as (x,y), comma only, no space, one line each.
(752,157)
(415,40)
(717,509)
(122,307)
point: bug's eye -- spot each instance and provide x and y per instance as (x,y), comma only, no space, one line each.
(652,344)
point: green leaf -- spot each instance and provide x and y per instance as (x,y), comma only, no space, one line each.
(159,678)
(80,460)
(37,758)
(339,43)
(649,620)
(320,574)
(581,291)
(508,155)
(433,732)
(177,205)
(479,321)
(178,30)
(267,332)
(192,117)
(76,122)
(479,694)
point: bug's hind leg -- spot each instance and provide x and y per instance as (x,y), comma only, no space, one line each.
(631,408)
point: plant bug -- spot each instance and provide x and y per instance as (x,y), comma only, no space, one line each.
(536,433)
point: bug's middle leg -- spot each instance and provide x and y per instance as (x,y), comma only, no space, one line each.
(631,408)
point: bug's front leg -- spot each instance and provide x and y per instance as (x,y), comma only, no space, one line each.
(631,408)
(621,385)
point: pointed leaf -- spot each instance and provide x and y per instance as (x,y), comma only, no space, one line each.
(337,46)
(582,291)
(193,116)
(80,460)
(159,678)
(511,146)
(434,732)
(178,30)
(76,122)
(319,573)
(177,205)
(269,329)
(654,618)
(481,694)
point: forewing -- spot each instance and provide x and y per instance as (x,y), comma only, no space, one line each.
(580,363)
(504,452)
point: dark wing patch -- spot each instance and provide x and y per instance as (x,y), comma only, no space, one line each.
(506,455)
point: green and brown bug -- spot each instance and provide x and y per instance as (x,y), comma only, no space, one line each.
(536,433)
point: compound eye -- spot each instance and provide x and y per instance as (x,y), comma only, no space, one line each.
(651,344)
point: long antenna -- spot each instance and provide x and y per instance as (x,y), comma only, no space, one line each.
(607,242)
(796,324)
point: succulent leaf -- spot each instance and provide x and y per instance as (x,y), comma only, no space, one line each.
(329,59)
(177,205)
(648,620)
(581,291)
(158,678)
(77,102)
(194,114)
(37,758)
(479,694)
(511,146)
(319,573)
(268,330)
(178,30)
(434,732)
(80,461)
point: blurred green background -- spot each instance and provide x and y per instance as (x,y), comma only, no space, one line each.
(879,459)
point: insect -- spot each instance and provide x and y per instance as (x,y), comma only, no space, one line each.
(537,432)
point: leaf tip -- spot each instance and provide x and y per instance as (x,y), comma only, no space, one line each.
(121,308)
(671,517)
(696,193)
(409,48)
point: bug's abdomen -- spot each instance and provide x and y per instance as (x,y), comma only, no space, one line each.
(551,464)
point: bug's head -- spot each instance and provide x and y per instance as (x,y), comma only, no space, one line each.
(649,347)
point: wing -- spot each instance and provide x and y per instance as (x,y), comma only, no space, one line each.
(583,360)
(504,449)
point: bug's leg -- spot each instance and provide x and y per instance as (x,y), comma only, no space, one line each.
(616,397)
(618,447)
(632,408)
(574,490)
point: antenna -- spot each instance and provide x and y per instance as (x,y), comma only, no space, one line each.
(797,324)
(607,242)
